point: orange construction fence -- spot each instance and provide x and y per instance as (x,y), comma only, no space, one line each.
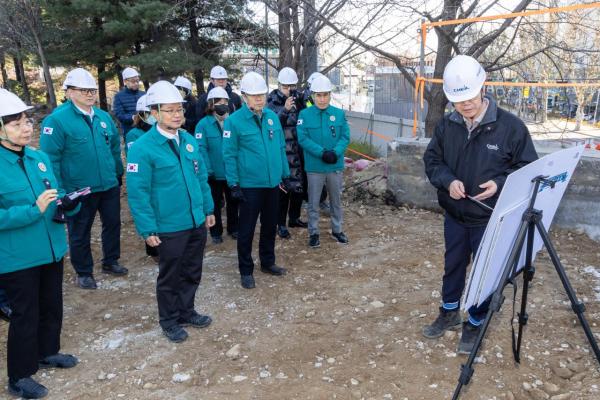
(420,81)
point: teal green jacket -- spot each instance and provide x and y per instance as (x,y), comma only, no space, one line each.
(254,150)
(28,238)
(83,152)
(164,193)
(210,139)
(320,130)
(131,136)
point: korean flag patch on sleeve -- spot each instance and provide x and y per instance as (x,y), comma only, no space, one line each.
(227,134)
(47,130)
(132,167)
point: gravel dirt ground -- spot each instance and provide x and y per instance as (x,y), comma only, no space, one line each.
(344,323)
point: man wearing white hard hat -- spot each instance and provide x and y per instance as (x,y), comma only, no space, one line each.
(172,207)
(184,85)
(32,248)
(256,168)
(324,135)
(84,146)
(472,151)
(287,102)
(125,100)
(219,78)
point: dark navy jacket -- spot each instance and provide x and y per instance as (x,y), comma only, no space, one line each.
(500,145)
(235,101)
(124,107)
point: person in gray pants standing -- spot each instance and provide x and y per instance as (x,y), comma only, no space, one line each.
(324,135)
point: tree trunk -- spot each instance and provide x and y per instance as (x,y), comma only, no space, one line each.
(101,69)
(309,53)
(21,75)
(5,83)
(195,45)
(47,76)
(437,100)
(286,54)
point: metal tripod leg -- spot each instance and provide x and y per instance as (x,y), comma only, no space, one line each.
(497,299)
(577,306)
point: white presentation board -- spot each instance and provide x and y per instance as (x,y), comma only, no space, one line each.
(501,231)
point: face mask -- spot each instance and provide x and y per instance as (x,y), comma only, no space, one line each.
(221,109)
(151,120)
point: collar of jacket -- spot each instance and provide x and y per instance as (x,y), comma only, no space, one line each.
(228,89)
(12,157)
(277,97)
(248,114)
(491,115)
(327,111)
(127,90)
(76,110)
(161,139)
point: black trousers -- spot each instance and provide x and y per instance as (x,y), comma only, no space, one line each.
(35,296)
(290,204)
(263,202)
(108,204)
(179,274)
(218,189)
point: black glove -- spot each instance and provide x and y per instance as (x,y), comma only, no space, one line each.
(67,204)
(120,180)
(59,215)
(211,178)
(329,157)
(291,186)
(237,194)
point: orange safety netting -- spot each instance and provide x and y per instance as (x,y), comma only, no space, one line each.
(420,81)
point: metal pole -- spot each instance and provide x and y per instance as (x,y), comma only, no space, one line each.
(420,112)
(596,109)
(266,44)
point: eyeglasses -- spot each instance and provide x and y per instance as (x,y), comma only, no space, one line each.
(89,92)
(27,122)
(290,87)
(133,80)
(172,112)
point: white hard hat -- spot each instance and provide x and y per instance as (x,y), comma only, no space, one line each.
(80,78)
(253,83)
(11,104)
(183,82)
(141,106)
(312,77)
(287,76)
(463,78)
(163,92)
(217,93)
(129,73)
(218,72)
(321,84)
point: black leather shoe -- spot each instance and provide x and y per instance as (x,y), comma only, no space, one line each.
(234,235)
(217,239)
(273,270)
(340,237)
(115,269)
(5,312)
(283,232)
(298,223)
(248,282)
(175,334)
(27,388)
(196,320)
(59,361)
(86,282)
(314,241)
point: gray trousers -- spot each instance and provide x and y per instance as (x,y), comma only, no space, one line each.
(333,181)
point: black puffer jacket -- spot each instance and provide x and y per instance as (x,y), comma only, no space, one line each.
(500,145)
(191,117)
(235,101)
(289,119)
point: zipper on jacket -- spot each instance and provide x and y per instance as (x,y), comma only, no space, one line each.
(187,189)
(90,125)
(259,123)
(22,165)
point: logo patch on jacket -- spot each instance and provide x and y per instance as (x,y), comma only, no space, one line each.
(47,130)
(493,147)
(132,167)
(227,134)
(198,136)
(299,122)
